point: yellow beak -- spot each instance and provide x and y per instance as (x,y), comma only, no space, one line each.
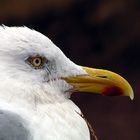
(101,81)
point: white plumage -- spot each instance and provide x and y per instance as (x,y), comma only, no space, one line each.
(38,96)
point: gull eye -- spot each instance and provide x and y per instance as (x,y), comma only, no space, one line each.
(36,62)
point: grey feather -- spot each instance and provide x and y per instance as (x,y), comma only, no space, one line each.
(12,127)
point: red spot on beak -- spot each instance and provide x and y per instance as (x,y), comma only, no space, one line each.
(113,91)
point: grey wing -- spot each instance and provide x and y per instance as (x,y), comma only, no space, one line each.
(12,127)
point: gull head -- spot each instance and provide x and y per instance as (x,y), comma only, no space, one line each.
(31,64)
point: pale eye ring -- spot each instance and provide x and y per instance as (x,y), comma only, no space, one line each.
(37,62)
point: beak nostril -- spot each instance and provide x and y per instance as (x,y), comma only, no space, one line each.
(102,76)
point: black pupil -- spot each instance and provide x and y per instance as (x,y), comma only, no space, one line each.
(37,61)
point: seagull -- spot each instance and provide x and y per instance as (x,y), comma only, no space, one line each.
(37,81)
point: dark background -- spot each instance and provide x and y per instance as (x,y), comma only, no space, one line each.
(97,33)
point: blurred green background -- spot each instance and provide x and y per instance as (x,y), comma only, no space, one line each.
(96,33)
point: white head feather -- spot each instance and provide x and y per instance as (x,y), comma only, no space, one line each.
(19,43)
